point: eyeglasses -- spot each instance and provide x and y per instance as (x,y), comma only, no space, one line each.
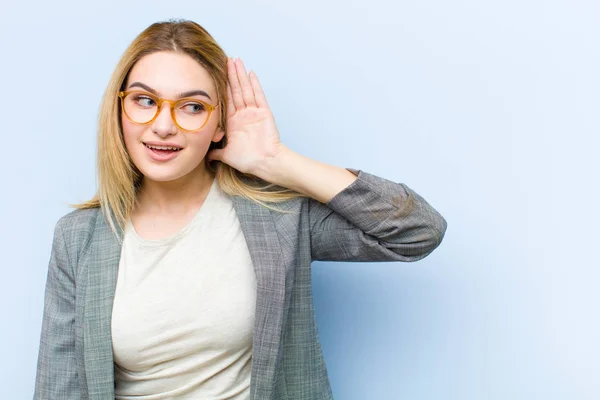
(189,114)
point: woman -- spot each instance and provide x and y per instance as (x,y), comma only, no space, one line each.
(188,275)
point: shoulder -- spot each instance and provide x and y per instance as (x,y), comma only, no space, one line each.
(78,220)
(76,227)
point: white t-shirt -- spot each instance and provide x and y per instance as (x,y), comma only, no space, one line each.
(183,313)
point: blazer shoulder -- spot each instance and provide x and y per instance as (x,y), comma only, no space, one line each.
(77,227)
(78,219)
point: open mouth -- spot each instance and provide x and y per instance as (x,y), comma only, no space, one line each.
(162,150)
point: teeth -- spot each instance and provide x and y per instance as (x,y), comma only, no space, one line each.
(162,147)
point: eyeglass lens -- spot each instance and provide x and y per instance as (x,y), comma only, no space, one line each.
(141,108)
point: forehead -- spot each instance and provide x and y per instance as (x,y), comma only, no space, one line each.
(170,73)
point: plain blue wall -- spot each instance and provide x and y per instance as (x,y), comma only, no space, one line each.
(490,110)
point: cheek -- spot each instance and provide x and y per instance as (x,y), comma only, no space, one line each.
(200,141)
(131,134)
(197,146)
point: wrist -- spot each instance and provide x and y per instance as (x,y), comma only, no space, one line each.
(272,168)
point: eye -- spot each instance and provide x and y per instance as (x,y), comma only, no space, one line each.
(144,101)
(193,108)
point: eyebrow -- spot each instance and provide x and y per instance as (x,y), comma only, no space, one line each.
(181,95)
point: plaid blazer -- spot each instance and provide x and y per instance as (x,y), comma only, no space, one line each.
(373,219)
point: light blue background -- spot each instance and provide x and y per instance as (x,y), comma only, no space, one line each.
(489,110)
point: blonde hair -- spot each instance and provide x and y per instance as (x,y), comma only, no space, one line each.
(118,178)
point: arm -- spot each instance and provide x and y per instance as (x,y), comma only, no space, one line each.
(356,216)
(374,219)
(366,218)
(56,368)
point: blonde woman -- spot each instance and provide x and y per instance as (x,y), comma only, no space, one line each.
(187,276)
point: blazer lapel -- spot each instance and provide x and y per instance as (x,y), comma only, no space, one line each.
(258,227)
(102,262)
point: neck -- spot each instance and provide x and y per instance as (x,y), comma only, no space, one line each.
(177,196)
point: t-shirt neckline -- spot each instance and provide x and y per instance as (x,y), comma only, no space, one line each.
(182,231)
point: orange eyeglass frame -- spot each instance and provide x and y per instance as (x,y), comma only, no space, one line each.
(172,103)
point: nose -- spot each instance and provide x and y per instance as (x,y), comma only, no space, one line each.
(163,124)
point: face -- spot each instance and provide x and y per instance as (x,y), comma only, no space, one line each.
(169,74)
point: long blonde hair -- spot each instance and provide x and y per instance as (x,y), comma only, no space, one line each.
(118,178)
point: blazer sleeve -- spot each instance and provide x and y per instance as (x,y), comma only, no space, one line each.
(56,367)
(374,219)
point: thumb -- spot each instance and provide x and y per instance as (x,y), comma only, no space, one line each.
(216,154)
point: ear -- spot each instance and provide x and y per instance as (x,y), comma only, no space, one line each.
(218,135)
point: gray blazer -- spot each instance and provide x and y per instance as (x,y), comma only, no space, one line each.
(373,219)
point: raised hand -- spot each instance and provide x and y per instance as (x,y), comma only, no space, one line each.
(252,136)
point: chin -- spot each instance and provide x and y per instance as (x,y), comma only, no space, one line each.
(166,173)
(162,174)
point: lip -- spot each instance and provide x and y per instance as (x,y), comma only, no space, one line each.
(164,144)
(161,157)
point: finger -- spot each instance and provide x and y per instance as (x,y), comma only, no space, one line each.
(247,91)
(261,99)
(230,105)
(236,90)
